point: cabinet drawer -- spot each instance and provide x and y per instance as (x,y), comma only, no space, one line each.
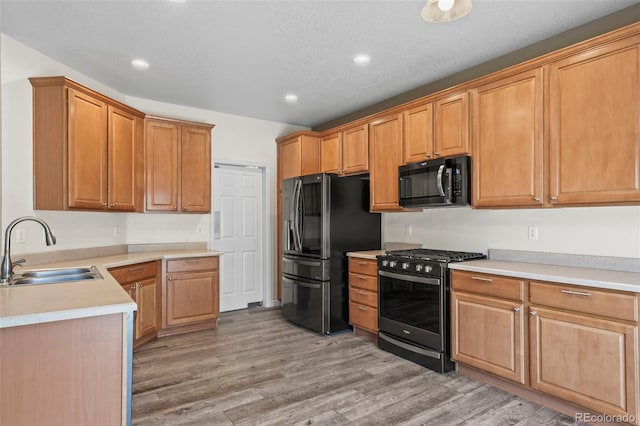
(134,272)
(192,264)
(363,316)
(363,281)
(488,285)
(365,297)
(584,299)
(363,266)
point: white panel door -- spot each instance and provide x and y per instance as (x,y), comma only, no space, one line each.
(237,206)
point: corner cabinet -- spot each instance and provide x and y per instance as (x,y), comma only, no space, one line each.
(86,147)
(508,138)
(141,281)
(594,110)
(385,156)
(178,166)
(191,295)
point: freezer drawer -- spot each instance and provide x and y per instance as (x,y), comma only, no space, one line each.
(305,302)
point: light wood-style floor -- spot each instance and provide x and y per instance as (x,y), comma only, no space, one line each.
(258,369)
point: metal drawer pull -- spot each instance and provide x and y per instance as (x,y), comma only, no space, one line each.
(192,261)
(362,263)
(361,278)
(362,309)
(576,293)
(488,280)
(361,293)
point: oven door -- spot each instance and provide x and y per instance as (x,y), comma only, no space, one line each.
(412,309)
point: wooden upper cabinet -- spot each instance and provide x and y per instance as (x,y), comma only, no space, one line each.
(87,145)
(355,150)
(178,166)
(594,150)
(85,148)
(122,175)
(331,153)
(385,151)
(452,125)
(298,154)
(507,140)
(195,150)
(162,163)
(418,134)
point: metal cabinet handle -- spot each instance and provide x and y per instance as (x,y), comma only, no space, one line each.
(175,207)
(576,293)
(136,268)
(553,198)
(104,204)
(533,313)
(184,209)
(536,199)
(112,205)
(361,278)
(487,280)
(361,293)
(140,285)
(362,263)
(516,309)
(436,154)
(170,278)
(362,308)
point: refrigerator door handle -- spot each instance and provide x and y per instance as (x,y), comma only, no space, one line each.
(297,190)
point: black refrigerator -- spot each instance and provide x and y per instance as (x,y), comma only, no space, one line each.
(325,216)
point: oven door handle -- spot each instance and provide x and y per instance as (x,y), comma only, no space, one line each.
(411,348)
(409,278)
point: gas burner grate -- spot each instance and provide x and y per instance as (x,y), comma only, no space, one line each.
(437,255)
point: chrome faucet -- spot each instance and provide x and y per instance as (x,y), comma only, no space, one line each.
(6,270)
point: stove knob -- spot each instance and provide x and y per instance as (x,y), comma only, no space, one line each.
(385,262)
(428,269)
(405,265)
(393,263)
(419,267)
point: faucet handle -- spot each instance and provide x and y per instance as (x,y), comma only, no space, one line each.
(18,262)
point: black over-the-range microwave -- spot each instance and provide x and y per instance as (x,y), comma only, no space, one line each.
(436,183)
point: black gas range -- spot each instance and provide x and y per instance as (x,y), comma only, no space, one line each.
(413,304)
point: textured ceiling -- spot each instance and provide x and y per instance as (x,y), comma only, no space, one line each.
(242,57)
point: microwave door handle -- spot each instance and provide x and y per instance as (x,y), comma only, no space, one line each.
(439,180)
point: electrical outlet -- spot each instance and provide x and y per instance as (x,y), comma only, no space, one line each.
(116,231)
(407,229)
(201,229)
(533,232)
(20,235)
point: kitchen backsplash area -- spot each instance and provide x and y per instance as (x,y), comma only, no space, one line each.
(596,231)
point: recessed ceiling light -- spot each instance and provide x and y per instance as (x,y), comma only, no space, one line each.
(177,1)
(140,64)
(361,59)
(291,98)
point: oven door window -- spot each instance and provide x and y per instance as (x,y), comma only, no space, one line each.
(404,299)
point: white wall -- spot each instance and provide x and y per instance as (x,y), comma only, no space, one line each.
(233,138)
(599,231)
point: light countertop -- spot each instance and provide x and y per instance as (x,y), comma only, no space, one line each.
(32,304)
(367,254)
(589,277)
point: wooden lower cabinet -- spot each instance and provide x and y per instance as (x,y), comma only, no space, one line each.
(191,294)
(363,294)
(142,283)
(572,347)
(489,335)
(70,372)
(589,361)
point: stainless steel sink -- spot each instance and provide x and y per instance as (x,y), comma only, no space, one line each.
(55,275)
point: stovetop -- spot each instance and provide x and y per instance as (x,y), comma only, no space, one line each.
(435,255)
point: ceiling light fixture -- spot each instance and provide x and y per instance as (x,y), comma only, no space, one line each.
(361,59)
(445,10)
(140,64)
(291,98)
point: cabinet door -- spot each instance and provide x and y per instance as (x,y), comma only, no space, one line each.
(122,160)
(87,151)
(309,155)
(195,154)
(488,333)
(162,162)
(331,153)
(591,362)
(418,134)
(290,158)
(386,156)
(595,126)
(452,125)
(146,298)
(192,297)
(508,141)
(355,150)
